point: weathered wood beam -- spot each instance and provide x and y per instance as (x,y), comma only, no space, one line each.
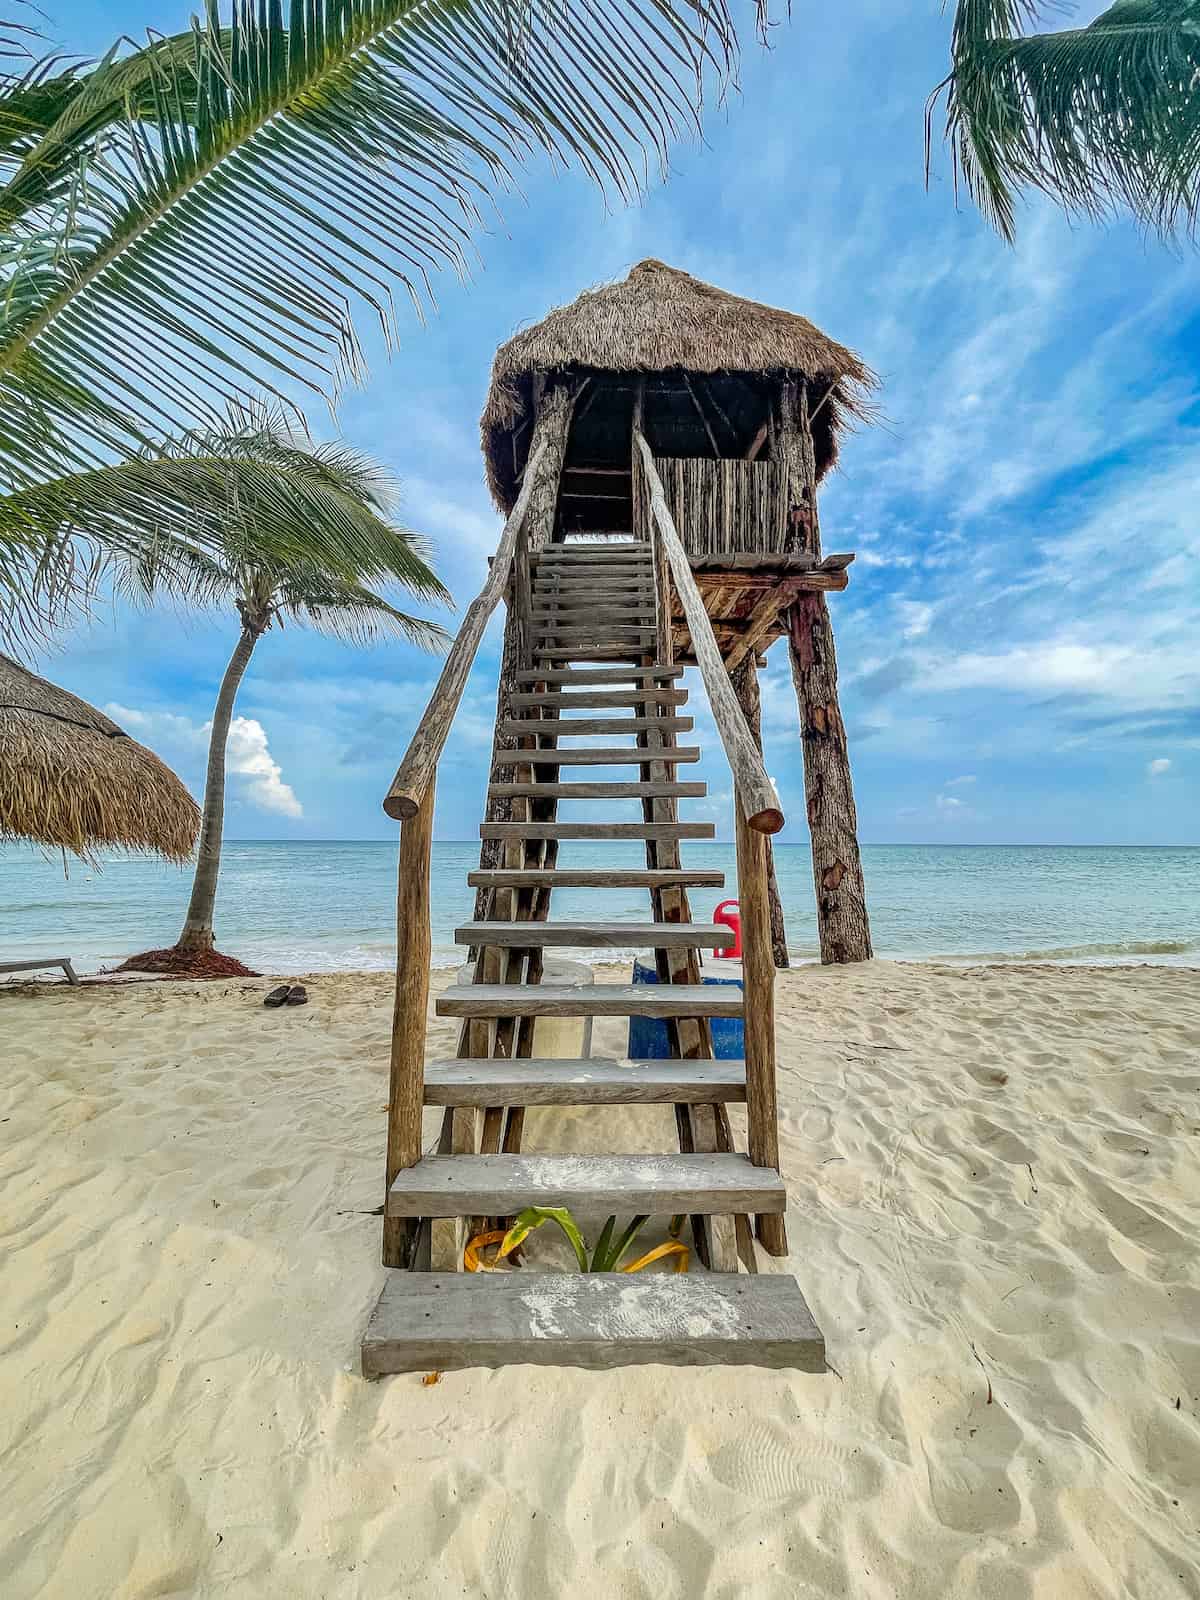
(746,687)
(842,923)
(758,978)
(756,789)
(406,1090)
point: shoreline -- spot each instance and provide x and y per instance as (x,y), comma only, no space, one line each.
(619,969)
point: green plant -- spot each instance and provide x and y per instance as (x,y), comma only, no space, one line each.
(607,1255)
(186,224)
(1099,118)
(343,490)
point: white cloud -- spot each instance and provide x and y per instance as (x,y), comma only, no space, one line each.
(247,757)
(915,617)
(958,783)
(1157,767)
(948,803)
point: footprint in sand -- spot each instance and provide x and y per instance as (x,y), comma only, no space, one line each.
(767,1464)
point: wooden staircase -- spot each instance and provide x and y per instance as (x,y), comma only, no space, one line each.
(590,618)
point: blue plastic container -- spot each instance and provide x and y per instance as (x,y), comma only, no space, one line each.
(648,1035)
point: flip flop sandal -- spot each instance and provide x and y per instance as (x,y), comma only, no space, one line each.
(297,996)
(277,997)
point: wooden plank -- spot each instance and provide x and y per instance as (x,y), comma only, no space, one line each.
(590,1000)
(758,982)
(606,634)
(597,935)
(416,770)
(595,1081)
(429,1322)
(740,561)
(603,756)
(577,727)
(602,700)
(595,878)
(406,1088)
(609,652)
(586,675)
(759,624)
(597,830)
(600,791)
(754,786)
(498,1185)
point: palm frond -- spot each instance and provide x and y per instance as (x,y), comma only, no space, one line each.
(192,519)
(1102,118)
(259,182)
(352,613)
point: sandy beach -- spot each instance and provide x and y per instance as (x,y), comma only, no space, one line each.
(994,1176)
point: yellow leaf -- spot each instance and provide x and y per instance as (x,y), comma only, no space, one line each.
(672,1248)
(472,1259)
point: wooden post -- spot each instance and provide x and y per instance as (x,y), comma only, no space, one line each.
(758,984)
(745,684)
(842,923)
(406,1093)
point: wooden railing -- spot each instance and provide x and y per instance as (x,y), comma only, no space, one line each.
(757,813)
(757,801)
(416,772)
(410,799)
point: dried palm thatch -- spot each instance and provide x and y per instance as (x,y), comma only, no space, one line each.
(70,778)
(660,319)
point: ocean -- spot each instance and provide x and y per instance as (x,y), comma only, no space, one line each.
(318,906)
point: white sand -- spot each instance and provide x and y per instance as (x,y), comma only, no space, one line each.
(994,1177)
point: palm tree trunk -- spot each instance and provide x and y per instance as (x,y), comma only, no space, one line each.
(197,928)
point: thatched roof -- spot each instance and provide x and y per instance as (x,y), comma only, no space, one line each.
(70,778)
(656,320)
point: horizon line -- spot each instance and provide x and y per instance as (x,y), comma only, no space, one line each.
(873,844)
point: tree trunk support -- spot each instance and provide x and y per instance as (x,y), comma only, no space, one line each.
(842,922)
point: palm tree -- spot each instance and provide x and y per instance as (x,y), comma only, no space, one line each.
(187,224)
(199,220)
(1102,118)
(353,492)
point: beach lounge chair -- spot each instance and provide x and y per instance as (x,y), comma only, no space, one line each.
(45,961)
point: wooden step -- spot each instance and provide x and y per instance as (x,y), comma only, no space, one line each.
(596,1081)
(595,555)
(498,1186)
(603,699)
(586,675)
(608,652)
(427,1321)
(619,587)
(597,830)
(590,1000)
(565,633)
(594,935)
(600,564)
(598,791)
(623,756)
(594,878)
(597,617)
(557,728)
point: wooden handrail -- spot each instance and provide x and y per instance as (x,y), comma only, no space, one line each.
(417,769)
(756,794)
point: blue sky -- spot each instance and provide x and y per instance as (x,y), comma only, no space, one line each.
(1018,644)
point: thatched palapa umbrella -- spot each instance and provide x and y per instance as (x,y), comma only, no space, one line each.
(72,779)
(741,406)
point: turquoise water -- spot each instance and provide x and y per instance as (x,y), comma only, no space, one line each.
(318,906)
